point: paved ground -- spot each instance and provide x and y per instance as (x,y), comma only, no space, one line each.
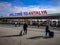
(9,35)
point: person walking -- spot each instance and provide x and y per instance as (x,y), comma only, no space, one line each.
(25,25)
(19,24)
(15,24)
(47,30)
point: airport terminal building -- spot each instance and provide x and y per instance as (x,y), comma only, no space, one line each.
(32,18)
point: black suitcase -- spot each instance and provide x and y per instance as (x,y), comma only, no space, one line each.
(51,34)
(20,34)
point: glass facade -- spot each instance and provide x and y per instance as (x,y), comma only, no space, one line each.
(53,22)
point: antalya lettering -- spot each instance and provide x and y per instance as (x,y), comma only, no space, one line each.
(32,13)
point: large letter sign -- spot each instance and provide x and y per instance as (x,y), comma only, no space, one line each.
(32,13)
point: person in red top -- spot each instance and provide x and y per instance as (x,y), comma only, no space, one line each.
(39,24)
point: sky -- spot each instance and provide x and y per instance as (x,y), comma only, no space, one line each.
(15,6)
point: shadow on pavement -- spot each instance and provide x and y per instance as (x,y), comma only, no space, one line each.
(11,36)
(38,37)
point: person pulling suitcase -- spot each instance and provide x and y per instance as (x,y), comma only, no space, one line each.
(24,31)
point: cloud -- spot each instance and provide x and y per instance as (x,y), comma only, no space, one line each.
(7,8)
(53,10)
(4,8)
(37,8)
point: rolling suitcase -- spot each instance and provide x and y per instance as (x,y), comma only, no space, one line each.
(51,34)
(20,34)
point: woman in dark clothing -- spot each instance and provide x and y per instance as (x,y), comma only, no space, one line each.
(47,26)
(47,29)
(25,28)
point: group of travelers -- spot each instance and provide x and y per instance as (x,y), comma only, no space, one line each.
(47,31)
(17,24)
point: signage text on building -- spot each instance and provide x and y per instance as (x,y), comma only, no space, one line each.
(31,13)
